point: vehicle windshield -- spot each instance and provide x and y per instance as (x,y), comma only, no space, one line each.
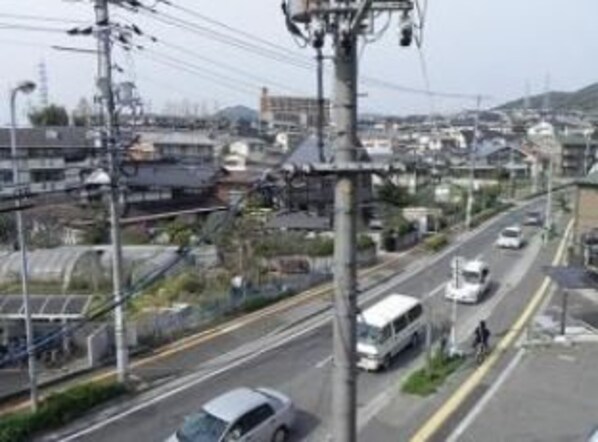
(201,427)
(368,334)
(471,277)
(510,233)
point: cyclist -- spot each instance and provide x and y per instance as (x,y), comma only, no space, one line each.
(482,335)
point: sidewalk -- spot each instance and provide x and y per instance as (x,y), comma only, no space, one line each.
(552,395)
(170,360)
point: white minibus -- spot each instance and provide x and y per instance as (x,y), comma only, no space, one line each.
(386,328)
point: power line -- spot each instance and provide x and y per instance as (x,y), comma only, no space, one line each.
(42,18)
(178,65)
(31,28)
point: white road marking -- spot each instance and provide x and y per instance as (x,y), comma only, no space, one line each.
(434,292)
(375,291)
(183,387)
(324,361)
(479,407)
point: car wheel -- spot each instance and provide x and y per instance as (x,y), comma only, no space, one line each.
(385,363)
(415,339)
(280,435)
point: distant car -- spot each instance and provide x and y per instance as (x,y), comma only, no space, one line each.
(241,415)
(511,238)
(472,282)
(533,219)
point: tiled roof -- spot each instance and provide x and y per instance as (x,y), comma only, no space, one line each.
(170,175)
(56,137)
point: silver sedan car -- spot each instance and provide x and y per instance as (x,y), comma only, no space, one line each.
(241,415)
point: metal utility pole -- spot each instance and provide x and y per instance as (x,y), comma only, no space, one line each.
(344,21)
(472,150)
(109,142)
(26,87)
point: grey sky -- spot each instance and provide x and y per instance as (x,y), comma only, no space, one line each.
(471,46)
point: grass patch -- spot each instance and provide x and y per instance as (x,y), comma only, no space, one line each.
(426,381)
(57,410)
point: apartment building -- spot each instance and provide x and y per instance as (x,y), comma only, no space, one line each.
(284,110)
(49,159)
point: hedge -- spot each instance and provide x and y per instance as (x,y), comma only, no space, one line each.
(56,410)
(436,242)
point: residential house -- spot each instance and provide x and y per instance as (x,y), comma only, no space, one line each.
(315,193)
(188,146)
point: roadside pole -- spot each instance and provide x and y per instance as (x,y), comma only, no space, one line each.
(109,143)
(345,21)
(472,150)
(453,348)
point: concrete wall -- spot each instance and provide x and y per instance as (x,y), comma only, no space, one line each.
(98,346)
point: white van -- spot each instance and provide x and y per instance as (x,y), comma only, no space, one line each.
(386,328)
(473,282)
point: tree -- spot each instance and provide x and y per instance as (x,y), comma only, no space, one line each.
(82,113)
(392,194)
(51,115)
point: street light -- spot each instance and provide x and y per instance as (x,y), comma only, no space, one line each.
(25,87)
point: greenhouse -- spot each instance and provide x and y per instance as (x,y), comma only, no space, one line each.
(61,269)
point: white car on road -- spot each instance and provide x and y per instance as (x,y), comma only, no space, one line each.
(470,284)
(511,238)
(241,415)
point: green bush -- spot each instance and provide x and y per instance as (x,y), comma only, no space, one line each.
(320,246)
(56,410)
(436,243)
(426,380)
(365,242)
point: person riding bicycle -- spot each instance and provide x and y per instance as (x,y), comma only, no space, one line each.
(482,335)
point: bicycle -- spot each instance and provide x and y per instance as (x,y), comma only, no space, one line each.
(481,351)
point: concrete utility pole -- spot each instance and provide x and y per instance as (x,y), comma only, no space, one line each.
(344,388)
(344,20)
(26,88)
(472,150)
(109,142)
(320,81)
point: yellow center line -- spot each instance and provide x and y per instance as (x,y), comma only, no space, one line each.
(438,419)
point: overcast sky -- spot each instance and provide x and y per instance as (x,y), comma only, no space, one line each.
(471,46)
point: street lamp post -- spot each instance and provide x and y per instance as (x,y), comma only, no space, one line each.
(26,88)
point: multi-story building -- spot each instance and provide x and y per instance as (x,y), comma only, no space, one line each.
(49,159)
(277,110)
(575,155)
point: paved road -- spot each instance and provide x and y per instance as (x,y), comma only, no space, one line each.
(299,365)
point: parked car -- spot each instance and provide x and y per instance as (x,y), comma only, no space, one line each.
(511,238)
(533,219)
(470,283)
(241,415)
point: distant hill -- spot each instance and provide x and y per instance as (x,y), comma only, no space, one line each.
(236,113)
(585,99)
